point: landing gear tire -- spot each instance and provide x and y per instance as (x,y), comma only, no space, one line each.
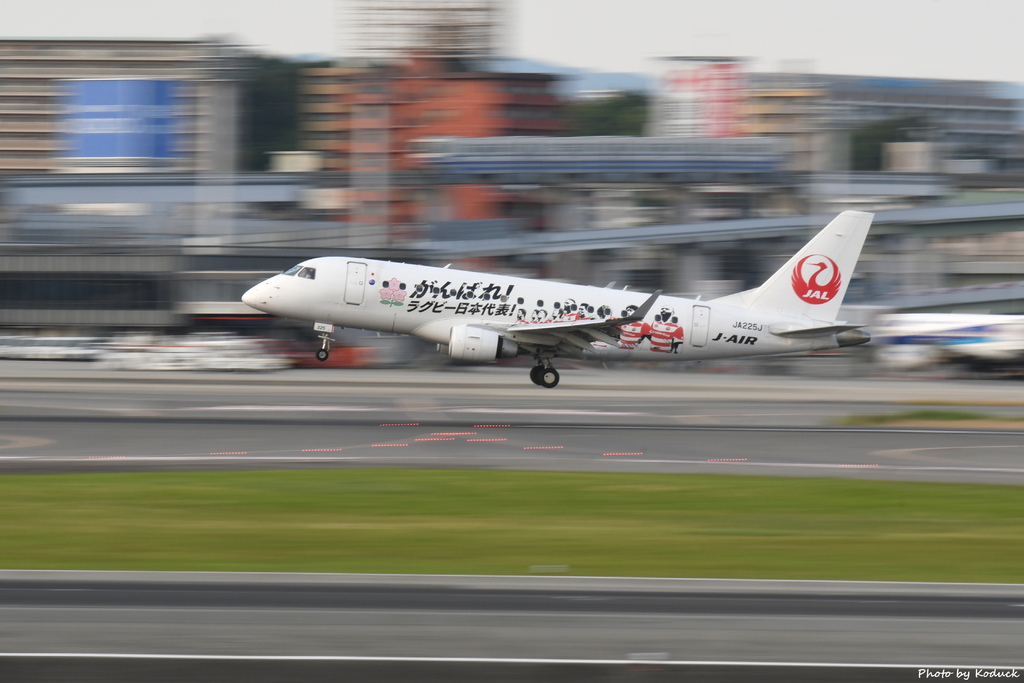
(322,355)
(544,377)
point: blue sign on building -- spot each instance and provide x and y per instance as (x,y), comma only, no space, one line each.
(121,119)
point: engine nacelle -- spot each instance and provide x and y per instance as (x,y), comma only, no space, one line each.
(480,345)
(852,338)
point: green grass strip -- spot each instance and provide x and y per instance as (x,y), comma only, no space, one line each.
(502,522)
(937,416)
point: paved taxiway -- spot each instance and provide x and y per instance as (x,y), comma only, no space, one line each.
(780,630)
(68,417)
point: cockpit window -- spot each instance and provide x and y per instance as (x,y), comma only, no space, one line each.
(302,271)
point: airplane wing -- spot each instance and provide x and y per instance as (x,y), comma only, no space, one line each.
(603,325)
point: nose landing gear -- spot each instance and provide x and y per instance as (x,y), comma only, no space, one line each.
(325,330)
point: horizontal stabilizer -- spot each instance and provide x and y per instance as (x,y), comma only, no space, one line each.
(811,332)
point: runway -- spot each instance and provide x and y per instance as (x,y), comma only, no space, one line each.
(55,419)
(63,418)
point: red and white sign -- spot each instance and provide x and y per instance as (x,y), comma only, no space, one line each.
(700,98)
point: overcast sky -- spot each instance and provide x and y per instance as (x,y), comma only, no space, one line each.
(962,39)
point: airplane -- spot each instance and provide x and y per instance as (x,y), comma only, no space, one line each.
(480,317)
(909,341)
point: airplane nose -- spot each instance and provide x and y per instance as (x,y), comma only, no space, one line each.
(256,297)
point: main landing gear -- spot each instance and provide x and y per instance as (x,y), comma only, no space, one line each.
(544,376)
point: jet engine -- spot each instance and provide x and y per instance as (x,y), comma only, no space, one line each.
(479,345)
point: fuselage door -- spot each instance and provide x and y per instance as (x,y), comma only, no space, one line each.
(355,285)
(699,328)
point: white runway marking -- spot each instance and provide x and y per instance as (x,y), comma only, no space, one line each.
(816,465)
(281,409)
(502,660)
(539,411)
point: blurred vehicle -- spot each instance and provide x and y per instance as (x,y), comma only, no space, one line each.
(50,348)
(210,352)
(979,342)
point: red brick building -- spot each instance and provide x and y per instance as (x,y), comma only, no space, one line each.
(421,98)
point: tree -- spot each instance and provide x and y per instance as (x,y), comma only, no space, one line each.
(624,114)
(868,142)
(270,109)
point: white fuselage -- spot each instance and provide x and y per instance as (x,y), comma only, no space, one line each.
(428,302)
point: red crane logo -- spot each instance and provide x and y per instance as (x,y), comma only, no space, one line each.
(816,279)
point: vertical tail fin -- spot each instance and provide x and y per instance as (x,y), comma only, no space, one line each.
(813,283)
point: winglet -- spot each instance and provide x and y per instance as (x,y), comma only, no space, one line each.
(640,313)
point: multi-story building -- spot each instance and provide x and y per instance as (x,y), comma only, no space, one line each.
(433,77)
(961,119)
(326,102)
(788,106)
(74,105)
(350,115)
(473,104)
(969,118)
